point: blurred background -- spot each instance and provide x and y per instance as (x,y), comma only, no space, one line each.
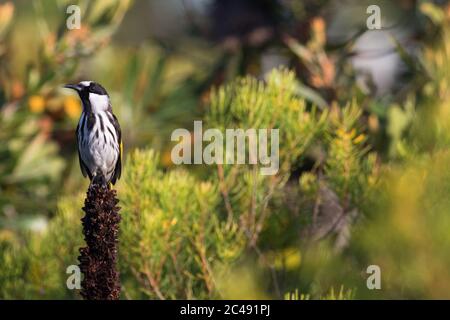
(364,117)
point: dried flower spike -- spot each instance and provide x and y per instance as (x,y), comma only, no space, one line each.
(99,258)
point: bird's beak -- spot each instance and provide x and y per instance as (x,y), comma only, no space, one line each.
(73,86)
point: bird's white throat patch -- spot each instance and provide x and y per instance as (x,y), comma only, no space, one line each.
(98,102)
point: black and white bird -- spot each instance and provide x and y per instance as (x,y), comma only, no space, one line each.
(98,134)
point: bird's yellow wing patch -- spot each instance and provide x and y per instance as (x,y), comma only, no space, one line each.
(121,150)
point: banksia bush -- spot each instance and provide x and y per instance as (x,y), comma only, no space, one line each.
(172,237)
(270,104)
(98,259)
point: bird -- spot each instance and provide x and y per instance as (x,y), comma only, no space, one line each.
(98,134)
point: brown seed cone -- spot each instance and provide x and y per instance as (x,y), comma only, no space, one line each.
(98,260)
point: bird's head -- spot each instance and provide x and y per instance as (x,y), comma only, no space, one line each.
(92,94)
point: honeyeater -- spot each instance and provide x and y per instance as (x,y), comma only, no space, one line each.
(98,134)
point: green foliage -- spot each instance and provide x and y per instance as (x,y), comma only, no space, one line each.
(249,103)
(342,294)
(413,249)
(37,267)
(171,235)
(32,165)
(347,166)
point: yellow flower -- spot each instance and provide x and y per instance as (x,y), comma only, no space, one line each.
(352,133)
(340,132)
(36,104)
(167,224)
(166,159)
(6,11)
(373,123)
(205,187)
(6,14)
(359,139)
(17,90)
(72,107)
(318,27)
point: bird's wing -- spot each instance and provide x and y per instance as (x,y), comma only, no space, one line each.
(118,168)
(84,170)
